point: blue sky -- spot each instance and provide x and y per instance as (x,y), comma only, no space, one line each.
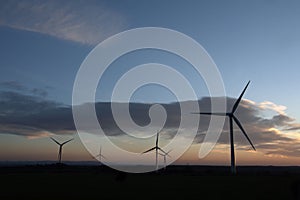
(43,44)
(255,41)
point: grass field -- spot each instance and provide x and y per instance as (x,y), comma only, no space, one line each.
(78,182)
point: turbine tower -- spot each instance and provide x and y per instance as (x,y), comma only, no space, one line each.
(100,155)
(60,147)
(232,118)
(156,148)
(165,157)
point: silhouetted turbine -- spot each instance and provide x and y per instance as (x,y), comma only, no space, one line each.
(60,147)
(165,158)
(100,155)
(156,148)
(232,118)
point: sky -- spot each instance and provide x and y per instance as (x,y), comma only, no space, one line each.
(43,44)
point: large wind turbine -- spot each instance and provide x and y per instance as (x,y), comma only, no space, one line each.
(156,148)
(100,155)
(60,147)
(232,118)
(165,157)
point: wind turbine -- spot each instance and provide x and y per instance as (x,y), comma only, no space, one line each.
(60,147)
(165,158)
(100,155)
(232,118)
(156,148)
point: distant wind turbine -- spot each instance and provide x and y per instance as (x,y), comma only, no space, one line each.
(60,147)
(100,155)
(156,148)
(165,157)
(232,118)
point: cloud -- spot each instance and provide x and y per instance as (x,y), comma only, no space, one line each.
(26,112)
(17,86)
(16,104)
(273,133)
(39,92)
(13,85)
(270,134)
(87,22)
(32,116)
(21,130)
(293,127)
(272,106)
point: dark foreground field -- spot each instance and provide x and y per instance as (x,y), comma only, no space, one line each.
(178,182)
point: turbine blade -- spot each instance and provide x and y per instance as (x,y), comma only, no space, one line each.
(239,99)
(100,156)
(209,113)
(156,143)
(168,153)
(164,154)
(67,141)
(243,131)
(161,150)
(149,150)
(55,141)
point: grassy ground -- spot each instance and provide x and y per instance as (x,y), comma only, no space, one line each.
(102,183)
